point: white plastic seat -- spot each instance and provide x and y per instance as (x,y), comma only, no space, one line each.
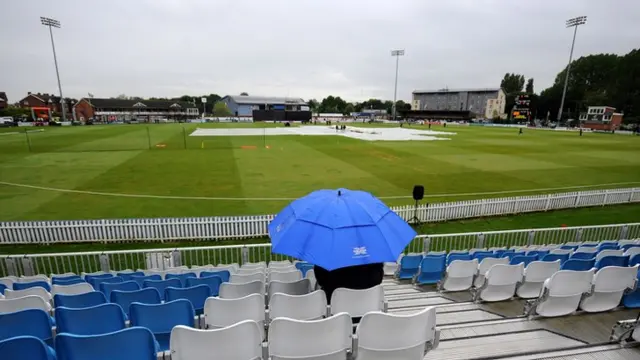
(356,303)
(231,268)
(631,252)
(282,269)
(259,265)
(26,279)
(573,243)
(437,253)
(83,274)
(587,249)
(8,281)
(234,291)
(51,276)
(289,276)
(535,275)
(300,287)
(609,285)
(459,275)
(279,264)
(390,268)
(560,251)
(245,278)
(240,341)
(498,248)
(622,243)
(311,275)
(608,252)
(589,244)
(23,303)
(310,306)
(75,289)
(561,293)
(326,339)
(500,282)
(485,265)
(383,336)
(219,312)
(249,271)
(36,290)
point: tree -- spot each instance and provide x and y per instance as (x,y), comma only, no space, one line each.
(313,104)
(349,108)
(332,104)
(221,109)
(529,87)
(512,83)
(244,94)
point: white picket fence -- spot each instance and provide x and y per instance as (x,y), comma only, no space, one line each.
(238,227)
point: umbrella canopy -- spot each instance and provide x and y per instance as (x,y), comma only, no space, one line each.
(339,228)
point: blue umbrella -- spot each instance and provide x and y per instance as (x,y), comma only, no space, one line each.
(339,228)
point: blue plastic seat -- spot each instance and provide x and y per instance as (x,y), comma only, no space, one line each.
(143,296)
(588,245)
(431,269)
(583,256)
(196,294)
(110,280)
(457,256)
(3,287)
(141,279)
(302,266)
(67,282)
(135,343)
(89,278)
(107,288)
(128,276)
(522,259)
(511,255)
(578,264)
(608,246)
(95,320)
(635,259)
(213,282)
(569,247)
(26,347)
(64,279)
(539,253)
(503,251)
(553,257)
(225,275)
(483,255)
(632,299)
(612,260)
(629,246)
(409,265)
(161,318)
(161,285)
(89,299)
(28,285)
(30,322)
(182,277)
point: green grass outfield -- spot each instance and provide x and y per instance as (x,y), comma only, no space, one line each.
(160,160)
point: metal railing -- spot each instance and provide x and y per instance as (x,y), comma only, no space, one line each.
(78,262)
(255,226)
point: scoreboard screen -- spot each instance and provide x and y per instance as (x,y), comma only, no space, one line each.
(521,109)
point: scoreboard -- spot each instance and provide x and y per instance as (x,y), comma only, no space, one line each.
(521,108)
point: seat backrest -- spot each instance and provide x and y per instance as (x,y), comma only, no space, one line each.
(197,295)
(37,291)
(27,285)
(287,268)
(134,343)
(539,253)
(433,264)
(110,280)
(477,250)
(107,288)
(390,334)
(578,264)
(310,306)
(279,264)
(604,253)
(410,261)
(29,322)
(87,299)
(213,282)
(586,249)
(73,289)
(608,246)
(34,278)
(356,303)
(561,251)
(92,278)
(289,338)
(521,259)
(24,347)
(182,277)
(225,312)
(488,262)
(231,268)
(462,268)
(194,344)
(634,260)
(485,255)
(66,279)
(612,261)
(453,257)
(615,278)
(95,320)
(234,291)
(583,255)
(143,296)
(539,271)
(161,318)
(501,274)
(245,278)
(8,281)
(569,282)
(554,257)
(289,276)
(299,287)
(23,303)
(140,279)
(631,252)
(225,275)
(162,285)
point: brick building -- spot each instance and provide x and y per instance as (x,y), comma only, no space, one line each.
(45,100)
(603,118)
(110,110)
(4,101)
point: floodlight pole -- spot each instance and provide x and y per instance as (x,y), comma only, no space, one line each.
(55,23)
(574,22)
(397,54)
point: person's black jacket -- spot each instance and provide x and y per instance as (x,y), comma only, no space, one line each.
(353,277)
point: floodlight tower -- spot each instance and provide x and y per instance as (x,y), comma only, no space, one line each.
(52,23)
(574,23)
(397,54)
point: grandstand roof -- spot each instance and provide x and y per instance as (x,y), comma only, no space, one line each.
(127,104)
(250,99)
(456,90)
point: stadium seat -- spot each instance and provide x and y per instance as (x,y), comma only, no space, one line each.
(193,344)
(73,281)
(79,301)
(219,313)
(409,265)
(484,266)
(29,322)
(500,283)
(511,255)
(562,292)
(481,255)
(300,287)
(578,265)
(583,255)
(459,275)
(632,299)
(282,269)
(141,279)
(311,275)
(622,261)
(289,276)
(37,291)
(24,303)
(250,271)
(567,248)
(256,265)
(456,256)
(431,269)
(279,264)
(310,306)
(129,275)
(356,303)
(586,249)
(634,260)
(555,257)
(142,296)
(65,280)
(534,276)
(107,288)
(197,295)
(328,338)
(90,278)
(26,285)
(95,320)
(562,251)
(161,318)
(304,267)
(591,244)
(234,291)
(538,253)
(473,251)
(111,280)
(33,278)
(26,347)
(389,336)
(135,343)
(231,268)
(245,278)
(628,246)
(213,282)
(3,287)
(604,253)
(608,246)
(609,285)
(631,252)
(225,275)
(8,281)
(182,277)
(522,259)
(161,285)
(156,272)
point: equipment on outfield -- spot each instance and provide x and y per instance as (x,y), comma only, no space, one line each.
(418,194)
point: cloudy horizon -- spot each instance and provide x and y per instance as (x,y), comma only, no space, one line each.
(308,49)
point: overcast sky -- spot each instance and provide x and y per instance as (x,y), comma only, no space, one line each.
(305,48)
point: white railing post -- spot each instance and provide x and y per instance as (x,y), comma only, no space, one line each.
(546,206)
